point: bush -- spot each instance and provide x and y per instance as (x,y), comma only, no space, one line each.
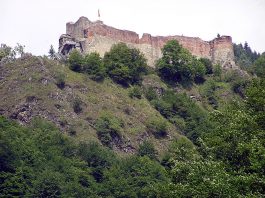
(150,94)
(199,71)
(93,66)
(239,86)
(125,65)
(135,92)
(158,127)
(97,157)
(177,65)
(108,129)
(217,71)
(75,60)
(147,149)
(259,66)
(208,65)
(60,80)
(77,105)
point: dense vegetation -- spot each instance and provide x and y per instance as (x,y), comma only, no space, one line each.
(122,64)
(246,58)
(222,152)
(178,65)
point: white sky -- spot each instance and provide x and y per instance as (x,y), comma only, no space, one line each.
(38,23)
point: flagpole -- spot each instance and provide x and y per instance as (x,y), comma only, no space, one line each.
(98,15)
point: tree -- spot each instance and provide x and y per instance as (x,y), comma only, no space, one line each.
(208,65)
(108,128)
(125,65)
(20,49)
(178,65)
(134,177)
(75,61)
(199,71)
(217,71)
(6,52)
(93,66)
(51,52)
(147,149)
(259,66)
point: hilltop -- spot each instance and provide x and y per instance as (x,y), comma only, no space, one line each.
(88,36)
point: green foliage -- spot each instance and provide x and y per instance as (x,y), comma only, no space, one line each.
(97,157)
(7,52)
(52,52)
(93,66)
(134,177)
(135,92)
(108,129)
(77,105)
(174,106)
(259,66)
(208,65)
(183,149)
(208,91)
(75,61)
(157,126)
(150,94)
(60,80)
(178,65)
(41,162)
(217,71)
(256,101)
(20,49)
(244,56)
(199,71)
(237,139)
(147,149)
(201,179)
(125,65)
(239,86)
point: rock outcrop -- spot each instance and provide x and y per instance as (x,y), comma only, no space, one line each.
(90,36)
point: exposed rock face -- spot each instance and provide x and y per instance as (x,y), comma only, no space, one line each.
(95,36)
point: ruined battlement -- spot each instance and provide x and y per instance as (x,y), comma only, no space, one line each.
(96,36)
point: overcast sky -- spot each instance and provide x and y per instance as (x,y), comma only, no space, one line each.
(39,23)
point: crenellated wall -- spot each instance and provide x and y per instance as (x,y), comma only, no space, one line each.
(96,36)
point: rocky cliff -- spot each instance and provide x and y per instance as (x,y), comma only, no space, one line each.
(96,36)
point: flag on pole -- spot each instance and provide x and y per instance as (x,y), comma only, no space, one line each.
(98,14)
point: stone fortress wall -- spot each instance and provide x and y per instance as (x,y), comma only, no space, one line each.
(96,36)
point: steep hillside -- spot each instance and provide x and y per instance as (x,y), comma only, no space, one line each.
(28,89)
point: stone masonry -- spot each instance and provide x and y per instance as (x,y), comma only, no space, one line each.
(95,36)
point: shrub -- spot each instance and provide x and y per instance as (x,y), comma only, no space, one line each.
(147,149)
(135,92)
(93,66)
(239,86)
(77,105)
(158,126)
(97,157)
(125,65)
(208,65)
(108,129)
(217,71)
(150,94)
(199,71)
(60,80)
(75,61)
(177,65)
(208,92)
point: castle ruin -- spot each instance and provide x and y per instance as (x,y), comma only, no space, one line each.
(88,36)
